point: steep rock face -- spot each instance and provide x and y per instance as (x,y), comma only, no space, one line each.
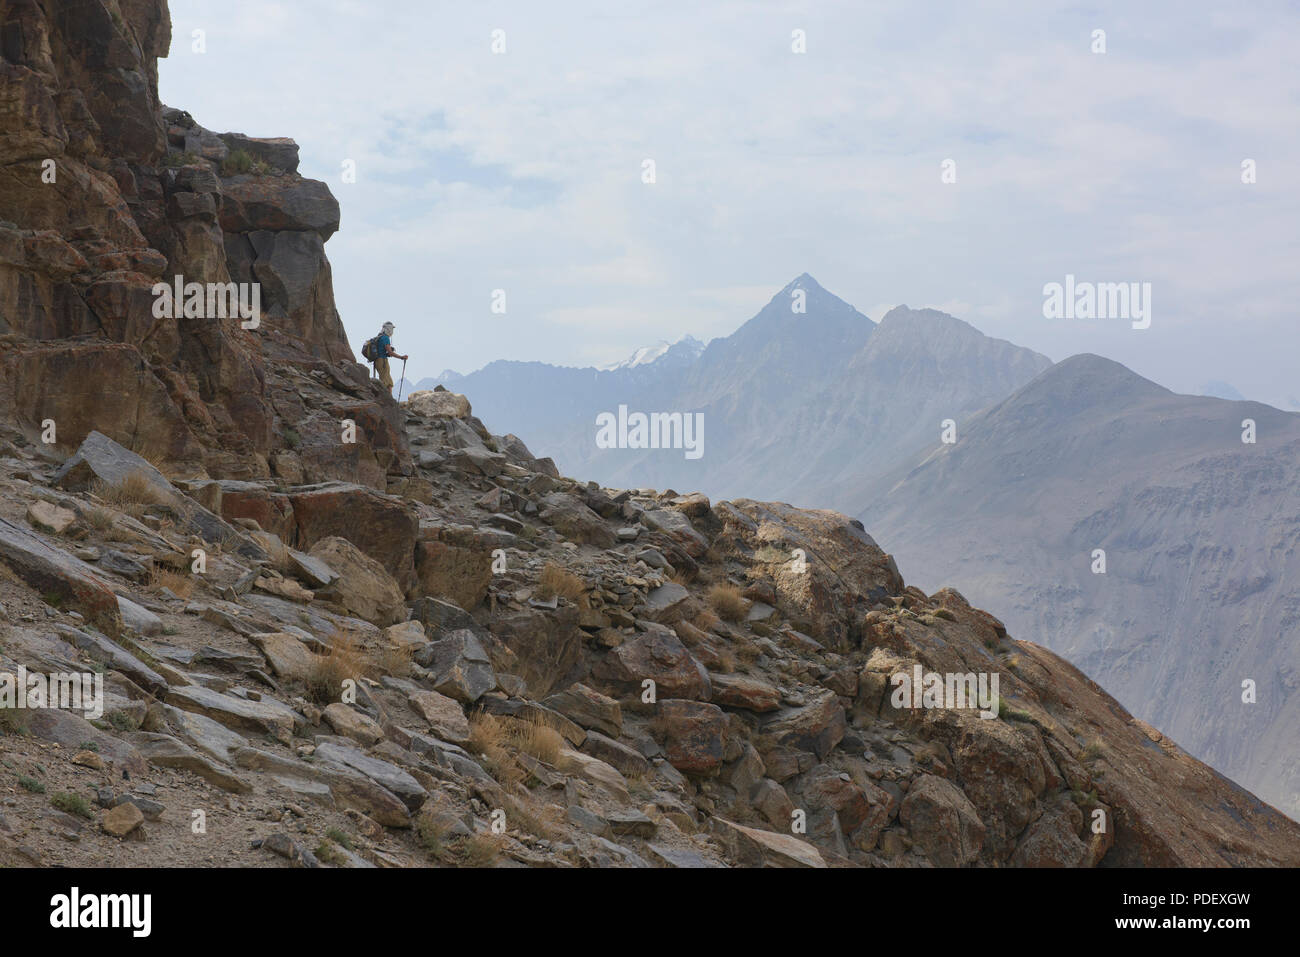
(105,193)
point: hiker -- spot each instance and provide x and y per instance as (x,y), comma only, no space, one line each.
(378,351)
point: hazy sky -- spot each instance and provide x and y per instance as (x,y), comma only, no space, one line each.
(522,170)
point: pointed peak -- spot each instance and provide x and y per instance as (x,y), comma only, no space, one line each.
(803,281)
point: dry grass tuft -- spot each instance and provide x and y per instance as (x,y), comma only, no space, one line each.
(100,519)
(152,452)
(555,580)
(706,620)
(539,739)
(728,602)
(132,492)
(478,850)
(329,671)
(396,660)
(178,583)
(489,738)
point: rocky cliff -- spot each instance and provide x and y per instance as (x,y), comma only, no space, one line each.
(343,653)
(104,194)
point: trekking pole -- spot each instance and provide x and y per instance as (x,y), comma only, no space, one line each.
(401,382)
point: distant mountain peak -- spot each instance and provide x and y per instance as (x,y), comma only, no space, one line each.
(687,347)
(1217,389)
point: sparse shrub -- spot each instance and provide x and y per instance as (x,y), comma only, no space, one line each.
(178,583)
(74,804)
(122,721)
(260,167)
(133,491)
(706,620)
(556,581)
(1092,752)
(488,737)
(152,451)
(539,739)
(431,831)
(1008,713)
(177,160)
(477,850)
(339,837)
(328,672)
(728,602)
(944,613)
(327,853)
(236,163)
(292,438)
(100,519)
(30,784)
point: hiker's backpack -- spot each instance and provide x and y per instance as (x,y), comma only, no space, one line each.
(368,349)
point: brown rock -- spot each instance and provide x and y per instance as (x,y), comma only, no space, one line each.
(383,528)
(657,654)
(121,820)
(692,733)
(364,588)
(351,723)
(942,822)
(742,691)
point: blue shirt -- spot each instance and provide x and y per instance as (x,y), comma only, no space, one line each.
(382,343)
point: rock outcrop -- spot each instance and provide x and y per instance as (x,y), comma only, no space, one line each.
(106,198)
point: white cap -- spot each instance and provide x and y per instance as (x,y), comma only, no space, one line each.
(389,327)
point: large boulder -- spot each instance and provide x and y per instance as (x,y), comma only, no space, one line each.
(815,727)
(437,403)
(753,847)
(575,521)
(100,459)
(693,734)
(657,654)
(459,665)
(271,510)
(942,822)
(363,587)
(53,571)
(589,708)
(278,204)
(383,527)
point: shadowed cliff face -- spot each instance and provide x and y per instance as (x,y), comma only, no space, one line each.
(105,193)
